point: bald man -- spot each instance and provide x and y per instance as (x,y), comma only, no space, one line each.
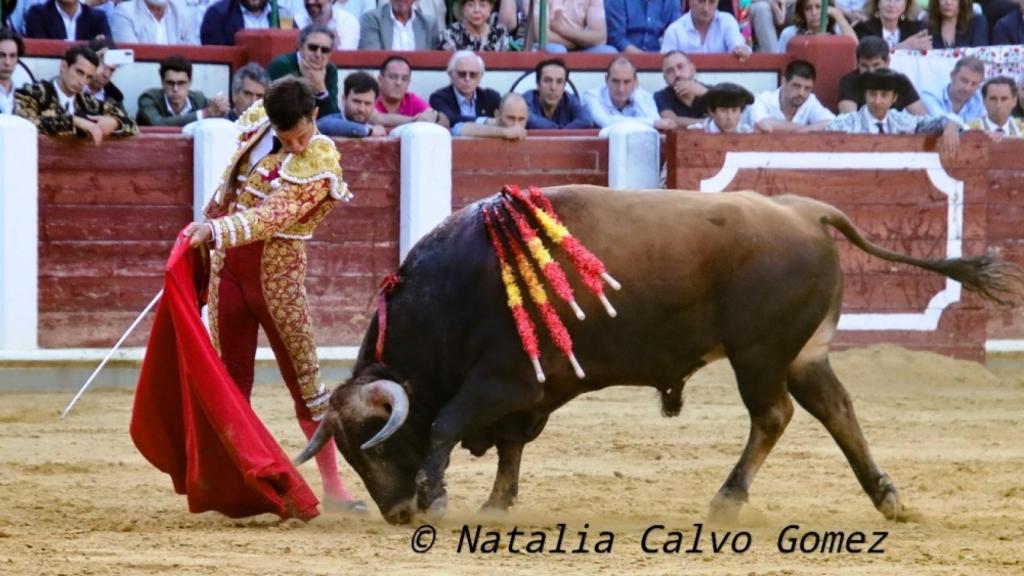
(510,123)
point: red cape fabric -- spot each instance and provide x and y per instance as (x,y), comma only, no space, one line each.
(191,421)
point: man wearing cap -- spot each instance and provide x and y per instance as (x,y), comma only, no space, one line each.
(877,116)
(725,103)
(872,54)
(1000,97)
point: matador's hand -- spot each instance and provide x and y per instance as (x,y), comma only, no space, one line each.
(318,404)
(198,233)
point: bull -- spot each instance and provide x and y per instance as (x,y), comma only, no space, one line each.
(752,279)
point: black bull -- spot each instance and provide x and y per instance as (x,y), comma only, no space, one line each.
(738,276)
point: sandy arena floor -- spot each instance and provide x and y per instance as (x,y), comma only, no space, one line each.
(79,499)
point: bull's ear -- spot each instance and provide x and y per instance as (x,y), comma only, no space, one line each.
(385,397)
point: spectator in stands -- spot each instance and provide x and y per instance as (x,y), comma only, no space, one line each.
(1000,96)
(574,25)
(316,42)
(725,103)
(877,116)
(62,108)
(550,106)
(766,17)
(7,8)
(512,15)
(873,54)
(1018,110)
(463,100)
(226,17)
(1010,28)
(705,29)
(175,103)
(65,20)
(248,85)
(11,48)
(356,7)
(621,99)
(396,105)
(398,25)
(479,29)
(509,124)
(680,100)
(895,21)
(961,96)
(807,20)
(793,106)
(345,25)
(638,25)
(153,22)
(101,86)
(953,24)
(356,117)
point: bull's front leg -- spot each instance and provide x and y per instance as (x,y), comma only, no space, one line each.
(506,482)
(479,403)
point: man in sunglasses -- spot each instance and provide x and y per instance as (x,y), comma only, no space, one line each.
(464,100)
(175,103)
(312,62)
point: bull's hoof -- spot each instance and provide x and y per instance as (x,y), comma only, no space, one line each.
(887,500)
(725,509)
(436,509)
(672,402)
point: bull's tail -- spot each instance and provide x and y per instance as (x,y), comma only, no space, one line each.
(990,277)
(324,432)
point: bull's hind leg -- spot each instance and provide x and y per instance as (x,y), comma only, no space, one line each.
(819,391)
(763,390)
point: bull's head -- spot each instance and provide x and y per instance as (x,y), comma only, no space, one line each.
(365,418)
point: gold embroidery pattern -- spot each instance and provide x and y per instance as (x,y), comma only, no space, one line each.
(213,298)
(283,275)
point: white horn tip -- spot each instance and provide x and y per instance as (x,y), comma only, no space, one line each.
(576,367)
(608,306)
(611,281)
(577,310)
(538,371)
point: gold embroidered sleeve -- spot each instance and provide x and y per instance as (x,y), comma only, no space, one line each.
(278,212)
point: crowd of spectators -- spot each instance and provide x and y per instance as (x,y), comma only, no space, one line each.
(83,100)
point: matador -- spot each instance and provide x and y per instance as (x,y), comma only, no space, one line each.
(283,180)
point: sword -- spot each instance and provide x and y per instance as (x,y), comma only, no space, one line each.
(111,353)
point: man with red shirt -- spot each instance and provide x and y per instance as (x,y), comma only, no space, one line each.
(396,105)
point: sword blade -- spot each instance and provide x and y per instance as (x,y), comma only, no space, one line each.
(111,353)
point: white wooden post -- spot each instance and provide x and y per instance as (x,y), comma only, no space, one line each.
(634,156)
(426,181)
(215,140)
(19,234)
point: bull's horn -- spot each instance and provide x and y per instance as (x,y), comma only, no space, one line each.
(387,392)
(324,432)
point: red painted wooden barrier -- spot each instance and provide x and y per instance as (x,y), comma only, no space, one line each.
(901,210)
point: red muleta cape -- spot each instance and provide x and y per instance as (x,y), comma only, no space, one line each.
(191,421)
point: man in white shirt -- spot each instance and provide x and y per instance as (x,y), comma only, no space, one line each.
(323,12)
(398,25)
(1000,97)
(706,30)
(162,22)
(621,99)
(11,48)
(793,106)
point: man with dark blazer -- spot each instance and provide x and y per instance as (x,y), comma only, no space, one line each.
(47,21)
(463,100)
(175,104)
(225,18)
(1010,28)
(416,30)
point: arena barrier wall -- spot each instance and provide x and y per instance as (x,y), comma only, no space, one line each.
(900,194)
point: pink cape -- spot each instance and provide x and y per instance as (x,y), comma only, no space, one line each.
(191,421)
